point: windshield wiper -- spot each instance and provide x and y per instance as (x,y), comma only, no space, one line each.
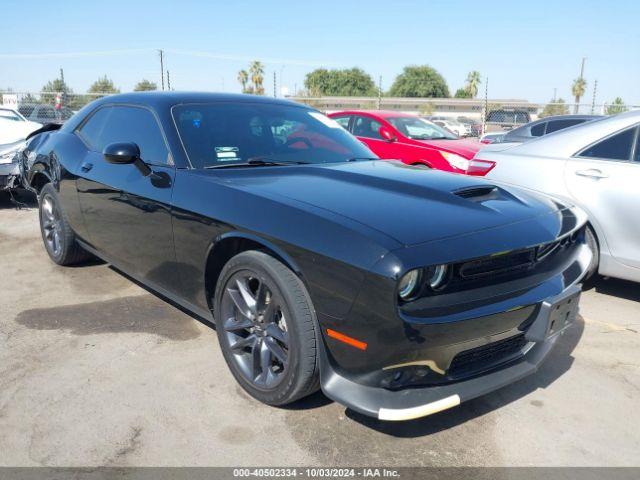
(257,162)
(355,159)
(431,138)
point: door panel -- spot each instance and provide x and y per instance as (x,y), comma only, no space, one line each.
(129,216)
(609,191)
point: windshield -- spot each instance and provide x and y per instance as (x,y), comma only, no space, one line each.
(420,129)
(218,134)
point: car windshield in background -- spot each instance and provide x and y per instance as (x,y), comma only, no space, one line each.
(420,129)
(221,134)
(9,115)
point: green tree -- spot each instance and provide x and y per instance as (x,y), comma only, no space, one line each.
(617,106)
(54,87)
(256,72)
(145,85)
(473,80)
(243,78)
(351,82)
(462,93)
(102,86)
(555,107)
(419,81)
(577,89)
(427,109)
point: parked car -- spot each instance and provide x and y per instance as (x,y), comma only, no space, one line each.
(400,291)
(474,125)
(595,165)
(544,126)
(45,113)
(14,129)
(495,137)
(505,119)
(415,141)
(9,168)
(454,126)
(14,126)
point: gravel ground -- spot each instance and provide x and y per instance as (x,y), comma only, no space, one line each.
(95,370)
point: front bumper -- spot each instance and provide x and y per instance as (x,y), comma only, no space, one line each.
(9,176)
(411,403)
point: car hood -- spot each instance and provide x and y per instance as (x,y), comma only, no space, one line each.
(11,132)
(462,147)
(409,204)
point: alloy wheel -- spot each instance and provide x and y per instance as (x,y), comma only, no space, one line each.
(255,327)
(51,225)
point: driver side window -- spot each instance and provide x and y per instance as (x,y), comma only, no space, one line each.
(127,124)
(366,127)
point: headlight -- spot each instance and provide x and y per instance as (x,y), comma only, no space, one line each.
(456,161)
(437,276)
(408,284)
(7,155)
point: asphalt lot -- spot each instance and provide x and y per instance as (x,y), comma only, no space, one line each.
(95,370)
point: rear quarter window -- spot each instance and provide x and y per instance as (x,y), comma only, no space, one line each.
(556,125)
(616,147)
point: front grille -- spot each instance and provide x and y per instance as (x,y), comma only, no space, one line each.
(512,262)
(484,357)
(498,264)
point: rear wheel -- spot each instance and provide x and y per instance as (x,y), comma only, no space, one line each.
(266,328)
(57,235)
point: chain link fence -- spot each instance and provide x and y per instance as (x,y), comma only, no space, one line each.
(477,116)
(45,107)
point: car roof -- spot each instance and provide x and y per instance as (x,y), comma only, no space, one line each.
(170,98)
(567,117)
(565,143)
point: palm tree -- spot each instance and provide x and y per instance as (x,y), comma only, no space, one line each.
(256,70)
(473,80)
(577,89)
(243,78)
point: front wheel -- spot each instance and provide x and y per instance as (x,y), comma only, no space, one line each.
(266,328)
(57,235)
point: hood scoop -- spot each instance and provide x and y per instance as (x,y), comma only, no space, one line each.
(480,193)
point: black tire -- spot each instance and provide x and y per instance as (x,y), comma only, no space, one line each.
(58,237)
(298,376)
(592,243)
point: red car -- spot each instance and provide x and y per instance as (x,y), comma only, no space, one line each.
(415,141)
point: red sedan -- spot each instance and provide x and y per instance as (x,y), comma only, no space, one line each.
(415,141)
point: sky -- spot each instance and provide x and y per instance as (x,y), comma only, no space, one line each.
(524,49)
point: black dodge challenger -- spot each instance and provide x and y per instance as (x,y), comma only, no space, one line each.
(399,291)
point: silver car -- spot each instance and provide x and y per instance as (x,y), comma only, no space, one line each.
(595,165)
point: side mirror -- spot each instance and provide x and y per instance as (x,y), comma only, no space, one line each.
(387,134)
(126,153)
(121,153)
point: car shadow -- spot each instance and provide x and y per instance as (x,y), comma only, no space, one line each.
(557,364)
(18,199)
(150,290)
(614,287)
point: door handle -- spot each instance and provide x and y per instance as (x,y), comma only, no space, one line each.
(86,166)
(592,173)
